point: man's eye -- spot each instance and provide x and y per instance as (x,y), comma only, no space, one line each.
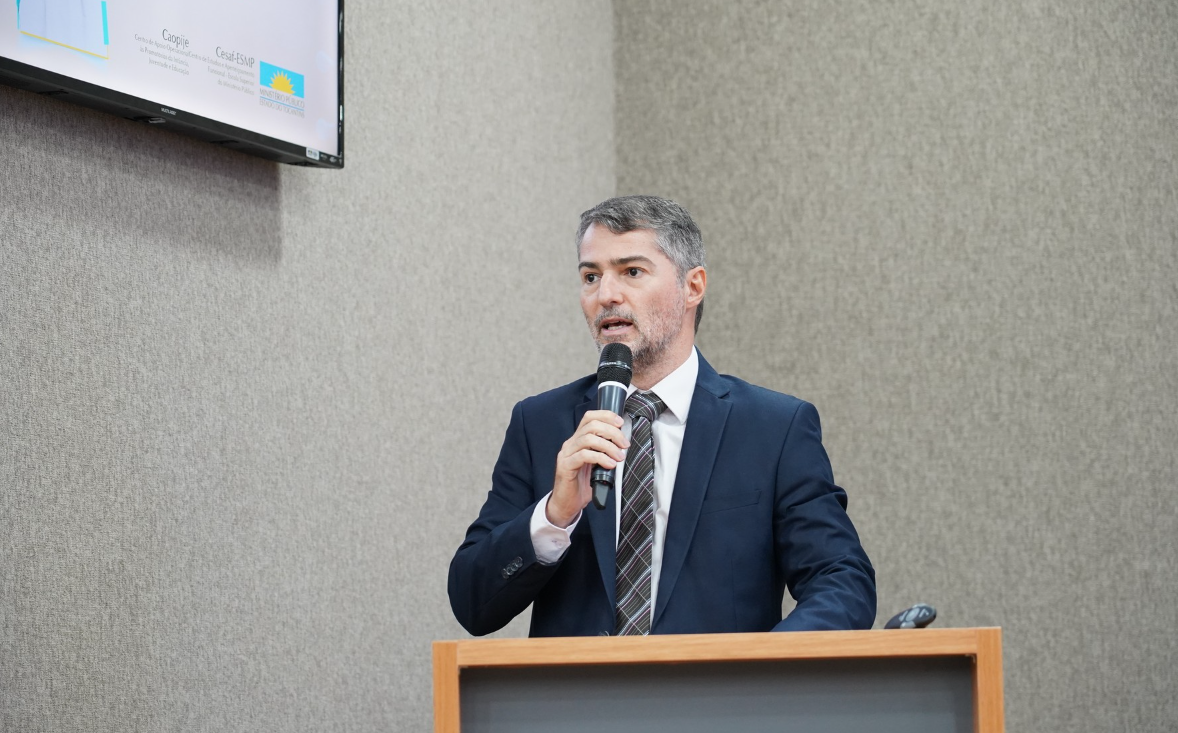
(633,272)
(590,278)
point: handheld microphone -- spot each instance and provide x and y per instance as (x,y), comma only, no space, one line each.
(614,371)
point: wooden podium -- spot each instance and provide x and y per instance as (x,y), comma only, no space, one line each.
(909,680)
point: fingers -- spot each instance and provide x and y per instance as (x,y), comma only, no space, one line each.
(600,430)
(591,443)
(587,450)
(598,441)
(586,457)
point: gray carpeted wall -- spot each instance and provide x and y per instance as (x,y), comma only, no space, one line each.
(246,411)
(954,228)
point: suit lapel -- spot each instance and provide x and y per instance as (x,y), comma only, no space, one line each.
(701,442)
(602,522)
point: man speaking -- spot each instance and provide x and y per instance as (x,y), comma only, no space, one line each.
(723,494)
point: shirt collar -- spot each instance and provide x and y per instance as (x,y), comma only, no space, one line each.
(677,388)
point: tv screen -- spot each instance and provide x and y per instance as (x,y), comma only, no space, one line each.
(261,76)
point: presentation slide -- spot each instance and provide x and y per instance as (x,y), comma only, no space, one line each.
(263,65)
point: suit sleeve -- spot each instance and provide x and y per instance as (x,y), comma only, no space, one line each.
(818,550)
(495,575)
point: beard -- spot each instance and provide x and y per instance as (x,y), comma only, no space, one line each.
(654,332)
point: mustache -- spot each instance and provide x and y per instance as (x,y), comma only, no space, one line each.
(606,315)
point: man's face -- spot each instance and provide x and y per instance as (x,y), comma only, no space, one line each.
(630,293)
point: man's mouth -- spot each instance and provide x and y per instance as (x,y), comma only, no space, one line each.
(614,325)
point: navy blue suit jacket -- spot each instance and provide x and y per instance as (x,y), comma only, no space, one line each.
(755,511)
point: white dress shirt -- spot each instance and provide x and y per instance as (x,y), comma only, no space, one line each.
(675,390)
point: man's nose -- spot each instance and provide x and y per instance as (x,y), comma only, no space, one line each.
(608,291)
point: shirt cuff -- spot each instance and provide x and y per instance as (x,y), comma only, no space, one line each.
(549,541)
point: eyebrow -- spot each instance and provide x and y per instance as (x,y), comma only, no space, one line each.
(618,262)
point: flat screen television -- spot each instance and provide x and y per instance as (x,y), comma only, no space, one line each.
(261,76)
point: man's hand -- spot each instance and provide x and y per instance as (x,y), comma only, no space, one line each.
(597,442)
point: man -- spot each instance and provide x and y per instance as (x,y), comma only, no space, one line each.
(730,500)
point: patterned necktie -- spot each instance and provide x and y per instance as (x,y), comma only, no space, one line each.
(637,530)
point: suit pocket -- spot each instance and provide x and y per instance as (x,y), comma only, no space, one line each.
(729,501)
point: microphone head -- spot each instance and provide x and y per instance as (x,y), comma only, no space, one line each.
(615,364)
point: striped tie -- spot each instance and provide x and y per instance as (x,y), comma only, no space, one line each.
(637,531)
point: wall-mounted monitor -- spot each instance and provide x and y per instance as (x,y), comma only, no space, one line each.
(261,76)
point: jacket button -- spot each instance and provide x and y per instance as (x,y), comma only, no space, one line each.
(512,567)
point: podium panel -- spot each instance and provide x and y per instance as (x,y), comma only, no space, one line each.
(909,681)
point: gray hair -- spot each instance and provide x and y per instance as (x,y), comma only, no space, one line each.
(676,234)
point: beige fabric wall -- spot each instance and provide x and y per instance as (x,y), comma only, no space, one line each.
(247,410)
(952,226)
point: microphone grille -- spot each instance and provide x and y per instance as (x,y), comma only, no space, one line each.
(614,365)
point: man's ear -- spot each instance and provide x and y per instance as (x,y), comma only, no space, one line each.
(695,284)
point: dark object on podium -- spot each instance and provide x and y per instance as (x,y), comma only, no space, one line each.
(917,617)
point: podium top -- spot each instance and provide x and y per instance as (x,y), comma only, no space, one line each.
(722,647)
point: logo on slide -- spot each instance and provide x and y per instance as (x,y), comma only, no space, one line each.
(281,80)
(79,25)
